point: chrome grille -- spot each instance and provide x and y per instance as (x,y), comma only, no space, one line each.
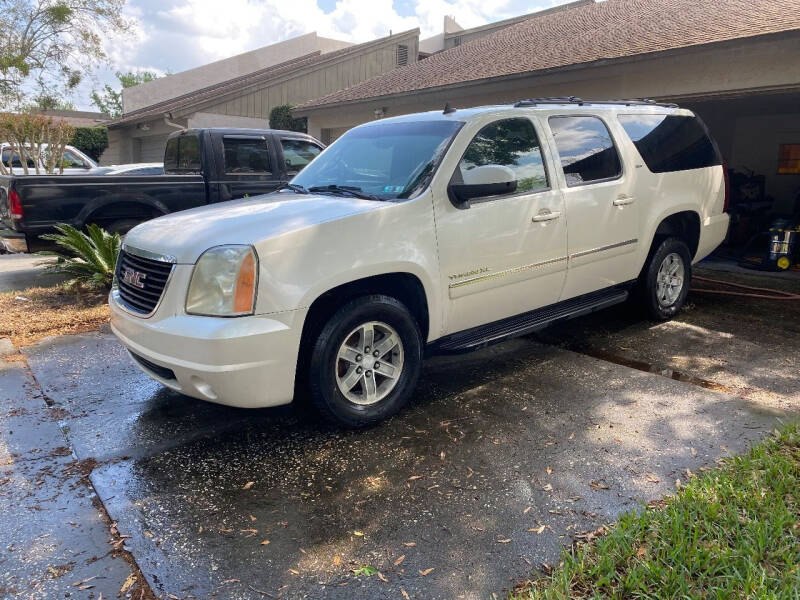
(150,275)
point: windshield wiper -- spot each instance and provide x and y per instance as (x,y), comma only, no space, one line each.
(297,189)
(350,190)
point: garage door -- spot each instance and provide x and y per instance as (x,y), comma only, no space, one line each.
(152,148)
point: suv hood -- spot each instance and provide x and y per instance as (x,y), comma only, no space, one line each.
(187,234)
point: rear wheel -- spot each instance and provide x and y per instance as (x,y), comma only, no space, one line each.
(664,282)
(365,362)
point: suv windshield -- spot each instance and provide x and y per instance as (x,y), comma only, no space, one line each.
(384,160)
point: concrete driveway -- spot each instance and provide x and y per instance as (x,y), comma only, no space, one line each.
(504,457)
(21,271)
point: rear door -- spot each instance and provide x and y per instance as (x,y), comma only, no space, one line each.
(249,166)
(602,209)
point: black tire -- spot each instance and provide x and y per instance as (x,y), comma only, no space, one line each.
(324,390)
(648,280)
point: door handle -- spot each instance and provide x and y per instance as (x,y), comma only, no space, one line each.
(623,200)
(546,215)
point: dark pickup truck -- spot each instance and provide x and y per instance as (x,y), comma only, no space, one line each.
(201,166)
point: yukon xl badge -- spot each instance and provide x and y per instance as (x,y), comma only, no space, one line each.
(134,278)
(477,271)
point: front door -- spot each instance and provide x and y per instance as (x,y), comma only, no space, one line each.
(248,167)
(503,255)
(602,223)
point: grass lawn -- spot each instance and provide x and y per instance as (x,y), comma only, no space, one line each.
(731,532)
(32,314)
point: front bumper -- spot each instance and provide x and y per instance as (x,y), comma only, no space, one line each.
(248,362)
(13,241)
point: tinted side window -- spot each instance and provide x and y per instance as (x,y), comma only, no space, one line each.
(182,154)
(246,156)
(671,142)
(586,150)
(510,143)
(298,154)
(70,159)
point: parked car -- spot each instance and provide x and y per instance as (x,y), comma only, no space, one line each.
(75,162)
(426,233)
(201,166)
(130,169)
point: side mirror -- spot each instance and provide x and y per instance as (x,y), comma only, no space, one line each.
(486,180)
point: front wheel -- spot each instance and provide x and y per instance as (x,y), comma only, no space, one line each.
(365,362)
(664,282)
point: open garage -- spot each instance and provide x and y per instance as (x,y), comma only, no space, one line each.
(759,135)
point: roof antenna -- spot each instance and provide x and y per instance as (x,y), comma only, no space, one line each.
(448,109)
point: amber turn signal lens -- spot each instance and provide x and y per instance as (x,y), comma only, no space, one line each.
(244,293)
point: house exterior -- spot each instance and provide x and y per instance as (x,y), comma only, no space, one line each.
(735,62)
(246,99)
(76,118)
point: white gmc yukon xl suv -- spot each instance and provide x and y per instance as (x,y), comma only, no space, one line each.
(425,233)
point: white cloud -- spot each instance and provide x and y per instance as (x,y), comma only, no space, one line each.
(175,35)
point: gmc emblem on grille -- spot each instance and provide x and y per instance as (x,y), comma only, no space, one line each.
(134,278)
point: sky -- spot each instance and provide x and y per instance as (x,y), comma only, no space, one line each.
(175,35)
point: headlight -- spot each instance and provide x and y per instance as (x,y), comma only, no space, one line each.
(223,282)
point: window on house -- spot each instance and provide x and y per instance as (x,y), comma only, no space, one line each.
(246,155)
(509,143)
(402,55)
(671,142)
(586,150)
(789,159)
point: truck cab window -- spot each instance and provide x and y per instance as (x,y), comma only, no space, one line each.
(246,156)
(298,153)
(182,154)
(509,143)
(73,161)
(586,150)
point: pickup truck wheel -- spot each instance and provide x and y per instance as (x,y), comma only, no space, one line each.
(365,362)
(664,283)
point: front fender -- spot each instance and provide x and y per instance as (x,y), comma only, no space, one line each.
(298,267)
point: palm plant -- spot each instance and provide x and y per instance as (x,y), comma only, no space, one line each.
(90,257)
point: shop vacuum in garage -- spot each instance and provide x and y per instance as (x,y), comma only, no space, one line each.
(782,250)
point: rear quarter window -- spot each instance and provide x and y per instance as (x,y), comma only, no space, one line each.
(182,154)
(671,142)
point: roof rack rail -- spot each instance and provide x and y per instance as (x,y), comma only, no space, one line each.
(548,100)
(581,102)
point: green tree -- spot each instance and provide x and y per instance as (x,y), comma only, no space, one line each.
(48,46)
(51,102)
(109,100)
(281,117)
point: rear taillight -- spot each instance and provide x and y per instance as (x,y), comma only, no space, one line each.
(727,177)
(14,205)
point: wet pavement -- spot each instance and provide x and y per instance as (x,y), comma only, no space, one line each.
(53,535)
(505,456)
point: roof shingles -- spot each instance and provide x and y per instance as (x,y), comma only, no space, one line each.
(605,30)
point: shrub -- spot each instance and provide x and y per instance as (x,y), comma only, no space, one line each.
(90,257)
(281,117)
(90,140)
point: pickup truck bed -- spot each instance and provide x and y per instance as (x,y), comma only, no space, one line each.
(216,165)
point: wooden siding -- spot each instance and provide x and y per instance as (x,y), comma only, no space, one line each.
(295,89)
